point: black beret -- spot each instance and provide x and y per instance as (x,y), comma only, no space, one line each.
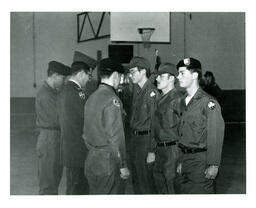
(79,66)
(58,68)
(190,63)
(110,65)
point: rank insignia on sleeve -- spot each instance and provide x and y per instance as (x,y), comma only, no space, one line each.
(81,95)
(152,94)
(211,105)
(116,102)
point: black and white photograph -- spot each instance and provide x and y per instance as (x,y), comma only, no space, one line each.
(128,103)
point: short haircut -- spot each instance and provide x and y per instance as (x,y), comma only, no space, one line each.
(105,73)
(198,71)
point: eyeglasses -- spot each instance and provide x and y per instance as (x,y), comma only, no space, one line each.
(133,72)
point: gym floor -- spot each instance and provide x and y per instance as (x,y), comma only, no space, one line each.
(23,172)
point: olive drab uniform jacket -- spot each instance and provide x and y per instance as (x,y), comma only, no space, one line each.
(46,108)
(167,117)
(202,125)
(143,109)
(103,131)
(71,110)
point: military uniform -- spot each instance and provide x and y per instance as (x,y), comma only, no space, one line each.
(105,139)
(48,144)
(166,122)
(201,134)
(72,100)
(141,123)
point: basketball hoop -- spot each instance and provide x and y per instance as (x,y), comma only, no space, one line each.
(146,34)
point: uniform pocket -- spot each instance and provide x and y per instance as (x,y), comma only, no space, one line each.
(198,125)
(99,163)
(169,119)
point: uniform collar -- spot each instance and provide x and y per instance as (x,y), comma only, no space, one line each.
(107,86)
(145,86)
(74,81)
(50,88)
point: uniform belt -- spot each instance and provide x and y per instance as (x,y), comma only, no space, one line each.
(50,128)
(187,150)
(165,144)
(139,133)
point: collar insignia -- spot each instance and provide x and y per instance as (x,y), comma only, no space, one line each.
(81,95)
(116,103)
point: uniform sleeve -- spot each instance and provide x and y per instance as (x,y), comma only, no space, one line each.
(46,111)
(215,132)
(154,96)
(114,127)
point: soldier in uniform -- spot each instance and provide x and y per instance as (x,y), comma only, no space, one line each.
(48,144)
(103,133)
(141,123)
(166,122)
(201,133)
(72,100)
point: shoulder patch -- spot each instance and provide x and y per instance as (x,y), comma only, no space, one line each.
(211,105)
(116,102)
(152,94)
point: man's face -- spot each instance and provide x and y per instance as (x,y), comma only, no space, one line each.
(58,81)
(208,80)
(135,75)
(163,81)
(185,77)
(117,79)
(84,77)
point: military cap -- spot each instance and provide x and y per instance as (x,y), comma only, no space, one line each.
(79,66)
(167,68)
(58,68)
(110,65)
(139,62)
(190,63)
(79,56)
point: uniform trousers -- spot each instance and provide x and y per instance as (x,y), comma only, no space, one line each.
(192,180)
(49,161)
(77,183)
(165,169)
(142,173)
(103,173)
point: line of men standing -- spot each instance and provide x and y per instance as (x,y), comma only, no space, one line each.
(176,138)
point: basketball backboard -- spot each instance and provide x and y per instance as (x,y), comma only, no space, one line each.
(124,26)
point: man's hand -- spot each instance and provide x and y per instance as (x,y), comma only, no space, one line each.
(211,172)
(179,167)
(151,157)
(125,173)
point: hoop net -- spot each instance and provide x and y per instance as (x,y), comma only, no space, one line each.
(146,34)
